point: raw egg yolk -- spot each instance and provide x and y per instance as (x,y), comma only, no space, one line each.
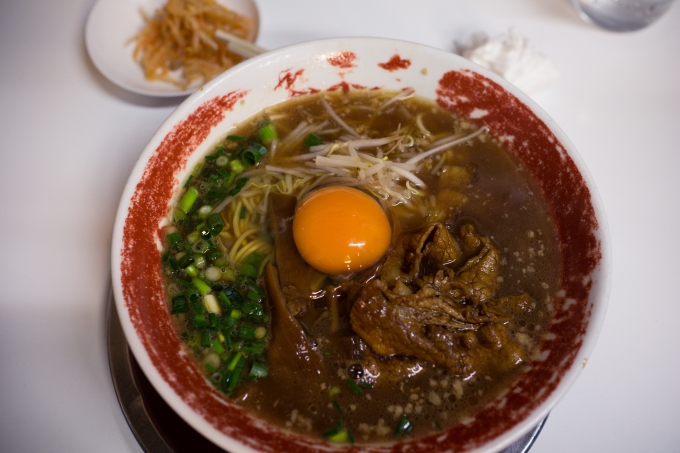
(339,230)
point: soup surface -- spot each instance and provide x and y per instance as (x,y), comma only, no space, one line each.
(367,336)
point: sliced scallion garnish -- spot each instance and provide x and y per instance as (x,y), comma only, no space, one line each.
(404,426)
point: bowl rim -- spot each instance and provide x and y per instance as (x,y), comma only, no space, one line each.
(599,292)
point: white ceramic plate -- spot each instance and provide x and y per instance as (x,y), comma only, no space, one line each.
(110,26)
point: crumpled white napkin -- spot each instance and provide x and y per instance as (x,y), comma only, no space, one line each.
(510,56)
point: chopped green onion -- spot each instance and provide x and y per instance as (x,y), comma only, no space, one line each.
(204,231)
(215,224)
(252,307)
(222,161)
(188,199)
(260,332)
(234,361)
(191,271)
(236,166)
(439,425)
(334,391)
(172,238)
(267,133)
(199,261)
(336,435)
(200,246)
(313,140)
(230,179)
(217,346)
(255,259)
(201,286)
(242,213)
(235,138)
(404,426)
(249,270)
(258,370)
(249,285)
(204,211)
(246,332)
(355,388)
(219,149)
(193,237)
(252,155)
(253,347)
(225,302)
(179,305)
(205,339)
(179,214)
(212,359)
(197,169)
(210,302)
(233,378)
(235,313)
(192,295)
(213,273)
(337,407)
(185,261)
(228,323)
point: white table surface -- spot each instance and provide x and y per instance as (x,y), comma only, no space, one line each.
(69,138)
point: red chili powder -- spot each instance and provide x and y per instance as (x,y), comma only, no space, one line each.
(343,59)
(345,87)
(287,79)
(395,63)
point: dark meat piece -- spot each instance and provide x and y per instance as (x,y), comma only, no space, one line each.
(411,325)
(477,280)
(292,270)
(421,308)
(379,370)
(499,347)
(420,253)
(430,249)
(290,350)
(298,279)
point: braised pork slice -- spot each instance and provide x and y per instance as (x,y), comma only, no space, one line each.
(477,280)
(419,253)
(411,325)
(428,306)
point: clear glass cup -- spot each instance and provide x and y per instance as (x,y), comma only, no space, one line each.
(621,15)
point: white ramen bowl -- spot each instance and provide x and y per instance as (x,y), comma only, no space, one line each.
(347,64)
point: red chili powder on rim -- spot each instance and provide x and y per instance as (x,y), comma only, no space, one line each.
(395,63)
(343,59)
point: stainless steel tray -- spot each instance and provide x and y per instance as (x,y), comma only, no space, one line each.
(157,428)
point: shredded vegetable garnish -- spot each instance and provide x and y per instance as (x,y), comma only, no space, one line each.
(177,43)
(386,166)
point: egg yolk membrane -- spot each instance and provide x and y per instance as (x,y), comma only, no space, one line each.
(340,230)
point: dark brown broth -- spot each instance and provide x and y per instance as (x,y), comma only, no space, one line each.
(501,202)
